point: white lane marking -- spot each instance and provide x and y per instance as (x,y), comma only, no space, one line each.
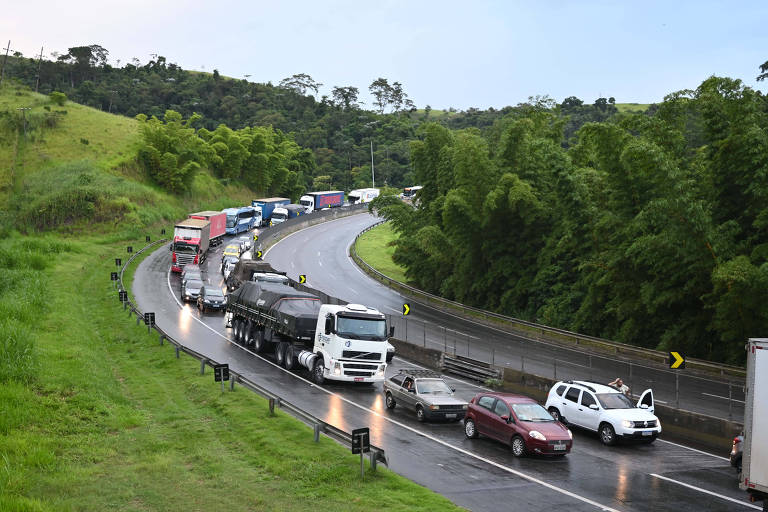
(740,502)
(402,425)
(723,397)
(354,291)
(692,449)
(658,401)
(354,265)
(320,263)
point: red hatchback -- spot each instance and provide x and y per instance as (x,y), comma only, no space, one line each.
(518,421)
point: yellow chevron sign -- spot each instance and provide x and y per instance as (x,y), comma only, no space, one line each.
(258,255)
(302,278)
(406,309)
(676,360)
(255,237)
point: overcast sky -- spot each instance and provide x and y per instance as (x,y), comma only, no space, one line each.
(462,54)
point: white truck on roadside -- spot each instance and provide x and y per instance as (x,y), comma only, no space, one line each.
(754,476)
(362,195)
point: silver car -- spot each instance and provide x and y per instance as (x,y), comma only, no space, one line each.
(426,393)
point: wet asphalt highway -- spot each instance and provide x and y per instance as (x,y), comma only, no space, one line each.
(478,474)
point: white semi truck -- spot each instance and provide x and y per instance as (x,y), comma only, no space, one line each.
(334,342)
(754,476)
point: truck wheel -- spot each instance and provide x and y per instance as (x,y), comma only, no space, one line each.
(290,357)
(247,334)
(280,353)
(236,329)
(258,340)
(239,333)
(317,371)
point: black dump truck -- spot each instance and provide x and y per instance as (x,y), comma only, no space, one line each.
(244,271)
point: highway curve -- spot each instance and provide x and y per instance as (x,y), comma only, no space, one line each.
(478,474)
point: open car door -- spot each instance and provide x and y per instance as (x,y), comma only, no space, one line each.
(646,401)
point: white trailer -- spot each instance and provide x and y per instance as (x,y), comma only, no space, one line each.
(363,195)
(754,477)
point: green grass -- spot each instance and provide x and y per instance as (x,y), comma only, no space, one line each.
(632,107)
(374,248)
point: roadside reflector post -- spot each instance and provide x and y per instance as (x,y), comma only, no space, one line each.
(232,382)
(162,339)
(317,432)
(202,367)
(177,351)
(271,406)
(373,454)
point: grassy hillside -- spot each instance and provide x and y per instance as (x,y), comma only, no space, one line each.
(94,414)
(374,247)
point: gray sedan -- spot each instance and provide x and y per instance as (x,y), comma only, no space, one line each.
(426,393)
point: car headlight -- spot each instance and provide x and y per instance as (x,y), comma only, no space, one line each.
(537,435)
(627,424)
(570,434)
(465,407)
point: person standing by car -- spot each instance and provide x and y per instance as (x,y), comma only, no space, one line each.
(619,384)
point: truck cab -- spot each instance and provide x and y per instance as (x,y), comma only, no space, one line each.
(350,344)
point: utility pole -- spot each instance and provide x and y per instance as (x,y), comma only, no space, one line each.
(373,179)
(24,115)
(39,61)
(110,101)
(2,70)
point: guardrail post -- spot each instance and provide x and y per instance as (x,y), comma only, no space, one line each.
(177,351)
(406,329)
(522,364)
(317,432)
(202,367)
(730,400)
(493,356)
(125,305)
(591,377)
(554,362)
(271,406)
(424,324)
(467,345)
(372,456)
(162,339)
(137,320)
(630,375)
(232,379)
(445,341)
(677,390)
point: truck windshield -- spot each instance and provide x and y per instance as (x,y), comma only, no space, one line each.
(185,248)
(362,328)
(278,216)
(614,401)
(231,221)
(353,199)
(304,202)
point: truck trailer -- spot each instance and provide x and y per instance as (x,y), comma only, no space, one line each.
(267,206)
(343,343)
(289,211)
(190,243)
(245,270)
(314,201)
(754,462)
(362,195)
(218,222)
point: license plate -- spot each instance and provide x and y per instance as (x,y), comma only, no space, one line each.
(647,432)
(450,415)
(559,447)
(358,379)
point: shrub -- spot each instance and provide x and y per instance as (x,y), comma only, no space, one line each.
(59,98)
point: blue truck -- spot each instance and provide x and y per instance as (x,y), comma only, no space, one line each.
(240,220)
(314,201)
(267,206)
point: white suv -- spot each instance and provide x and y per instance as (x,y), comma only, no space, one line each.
(605,410)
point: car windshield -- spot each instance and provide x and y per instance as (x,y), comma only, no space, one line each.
(232,249)
(215,292)
(531,412)
(192,274)
(362,328)
(614,401)
(433,387)
(194,284)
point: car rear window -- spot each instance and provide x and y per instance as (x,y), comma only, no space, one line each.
(573,394)
(561,389)
(486,401)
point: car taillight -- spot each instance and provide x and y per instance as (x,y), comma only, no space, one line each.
(196,259)
(736,440)
(174,258)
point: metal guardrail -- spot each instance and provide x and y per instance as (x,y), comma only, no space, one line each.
(470,368)
(523,327)
(319,426)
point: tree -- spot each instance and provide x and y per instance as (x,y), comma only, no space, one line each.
(300,84)
(763,71)
(345,97)
(382,93)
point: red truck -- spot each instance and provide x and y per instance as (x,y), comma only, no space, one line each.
(191,238)
(218,222)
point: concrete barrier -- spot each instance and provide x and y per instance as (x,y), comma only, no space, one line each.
(693,429)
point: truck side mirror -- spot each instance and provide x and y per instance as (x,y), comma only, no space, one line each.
(391,331)
(329,324)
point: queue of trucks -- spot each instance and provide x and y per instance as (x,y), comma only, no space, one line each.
(754,459)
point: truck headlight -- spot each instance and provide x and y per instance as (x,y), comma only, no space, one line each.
(537,435)
(627,424)
(337,369)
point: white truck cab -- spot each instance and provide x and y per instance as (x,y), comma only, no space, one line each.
(350,344)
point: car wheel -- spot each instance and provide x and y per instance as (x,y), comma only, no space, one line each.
(289,357)
(317,371)
(556,415)
(469,428)
(420,413)
(390,401)
(607,434)
(518,446)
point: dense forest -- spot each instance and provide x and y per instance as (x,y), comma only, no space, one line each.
(337,129)
(647,229)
